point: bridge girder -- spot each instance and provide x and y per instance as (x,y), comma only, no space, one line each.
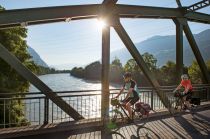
(33,16)
(198,5)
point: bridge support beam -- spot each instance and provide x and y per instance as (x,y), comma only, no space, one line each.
(28,75)
(105,79)
(179,49)
(140,61)
(196,52)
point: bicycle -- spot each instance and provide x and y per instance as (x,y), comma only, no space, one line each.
(139,111)
(179,101)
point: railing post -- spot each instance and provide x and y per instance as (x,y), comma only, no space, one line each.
(5,113)
(208,93)
(152,93)
(46,110)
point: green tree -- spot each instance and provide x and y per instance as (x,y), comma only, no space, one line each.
(195,72)
(150,60)
(131,66)
(93,71)
(167,74)
(10,81)
(116,71)
(117,62)
(78,72)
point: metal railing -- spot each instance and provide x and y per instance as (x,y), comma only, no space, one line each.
(35,109)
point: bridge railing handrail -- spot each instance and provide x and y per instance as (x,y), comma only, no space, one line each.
(87,102)
(164,88)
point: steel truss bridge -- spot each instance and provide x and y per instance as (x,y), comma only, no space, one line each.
(112,13)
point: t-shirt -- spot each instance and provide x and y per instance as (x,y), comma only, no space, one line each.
(186,83)
(132,84)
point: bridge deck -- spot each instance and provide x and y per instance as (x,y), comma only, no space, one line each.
(183,125)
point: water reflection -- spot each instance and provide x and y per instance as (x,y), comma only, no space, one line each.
(65,82)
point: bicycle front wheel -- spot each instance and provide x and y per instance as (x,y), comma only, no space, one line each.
(117,120)
(145,132)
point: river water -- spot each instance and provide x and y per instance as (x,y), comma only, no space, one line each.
(65,82)
(88,106)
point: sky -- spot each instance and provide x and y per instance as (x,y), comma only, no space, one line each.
(78,43)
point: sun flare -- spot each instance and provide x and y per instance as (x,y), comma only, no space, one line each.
(101,23)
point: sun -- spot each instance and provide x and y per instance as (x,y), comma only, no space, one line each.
(101,23)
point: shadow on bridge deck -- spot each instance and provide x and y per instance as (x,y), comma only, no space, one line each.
(183,125)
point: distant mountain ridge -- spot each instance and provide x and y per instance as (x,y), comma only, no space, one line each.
(36,58)
(164,48)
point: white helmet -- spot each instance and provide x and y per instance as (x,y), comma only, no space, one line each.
(184,77)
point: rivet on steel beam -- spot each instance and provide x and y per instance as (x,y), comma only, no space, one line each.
(68,19)
(24,24)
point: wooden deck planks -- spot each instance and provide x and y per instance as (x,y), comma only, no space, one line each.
(182,126)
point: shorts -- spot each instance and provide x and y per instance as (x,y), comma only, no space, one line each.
(131,100)
(189,95)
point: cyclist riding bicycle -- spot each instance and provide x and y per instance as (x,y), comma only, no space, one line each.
(132,95)
(187,94)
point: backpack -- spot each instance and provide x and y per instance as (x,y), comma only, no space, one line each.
(143,108)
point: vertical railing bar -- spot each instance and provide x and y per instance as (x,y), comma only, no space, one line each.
(159,102)
(57,113)
(89,111)
(52,112)
(152,99)
(78,104)
(9,103)
(96,102)
(25,108)
(39,112)
(81,105)
(30,111)
(69,104)
(61,115)
(46,110)
(208,93)
(85,106)
(4,113)
(92,108)
(34,112)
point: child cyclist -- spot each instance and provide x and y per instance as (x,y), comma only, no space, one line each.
(132,95)
(187,94)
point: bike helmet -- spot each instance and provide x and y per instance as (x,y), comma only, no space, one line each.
(127,75)
(184,77)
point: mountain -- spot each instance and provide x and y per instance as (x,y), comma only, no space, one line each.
(36,58)
(164,48)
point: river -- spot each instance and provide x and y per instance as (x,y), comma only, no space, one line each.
(88,106)
(66,82)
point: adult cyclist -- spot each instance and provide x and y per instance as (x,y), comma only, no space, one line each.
(187,94)
(132,95)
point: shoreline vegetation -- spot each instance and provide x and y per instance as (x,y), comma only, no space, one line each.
(47,70)
(166,75)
